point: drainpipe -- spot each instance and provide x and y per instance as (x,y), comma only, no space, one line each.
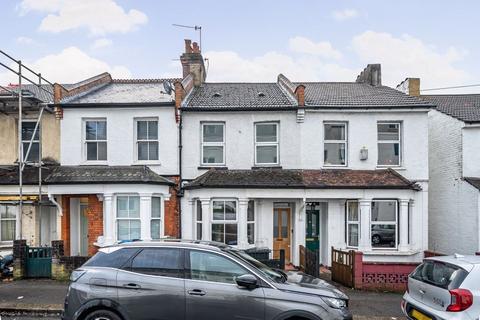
(180,180)
(59,207)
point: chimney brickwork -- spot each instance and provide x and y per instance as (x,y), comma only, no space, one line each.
(192,63)
(371,75)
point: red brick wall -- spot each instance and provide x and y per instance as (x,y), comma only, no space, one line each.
(66,224)
(172,214)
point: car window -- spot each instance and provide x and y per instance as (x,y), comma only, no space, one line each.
(114,259)
(440,274)
(213,267)
(167,262)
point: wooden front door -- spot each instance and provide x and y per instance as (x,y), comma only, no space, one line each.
(282,232)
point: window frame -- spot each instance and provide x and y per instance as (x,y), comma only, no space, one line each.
(212,144)
(276,143)
(345,142)
(396,223)
(34,141)
(197,222)
(137,140)
(349,222)
(160,218)
(251,222)
(85,141)
(399,142)
(223,222)
(9,205)
(117,219)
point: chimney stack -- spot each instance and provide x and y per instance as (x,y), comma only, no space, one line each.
(192,63)
(371,75)
(410,86)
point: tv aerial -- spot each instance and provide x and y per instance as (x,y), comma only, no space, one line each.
(195,27)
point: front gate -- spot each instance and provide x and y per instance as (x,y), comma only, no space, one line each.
(39,262)
(309,261)
(343,263)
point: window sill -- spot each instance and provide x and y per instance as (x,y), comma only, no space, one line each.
(326,167)
(6,245)
(95,163)
(147,163)
(392,167)
(393,252)
(267,167)
(212,167)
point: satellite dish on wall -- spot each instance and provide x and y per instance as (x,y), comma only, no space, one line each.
(167,86)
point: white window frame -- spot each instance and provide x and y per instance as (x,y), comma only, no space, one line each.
(8,205)
(137,140)
(223,222)
(352,222)
(159,218)
(344,141)
(399,141)
(212,144)
(33,141)
(197,222)
(85,141)
(396,223)
(253,222)
(275,143)
(117,219)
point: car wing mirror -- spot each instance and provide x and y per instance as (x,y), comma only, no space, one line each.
(248,281)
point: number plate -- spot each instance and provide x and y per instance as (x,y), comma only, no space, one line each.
(420,316)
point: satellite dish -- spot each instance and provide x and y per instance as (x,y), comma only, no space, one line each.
(167,86)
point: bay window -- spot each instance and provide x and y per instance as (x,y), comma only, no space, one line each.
(96,140)
(156,218)
(266,143)
(213,143)
(128,217)
(353,224)
(8,222)
(384,224)
(335,143)
(147,140)
(389,143)
(224,221)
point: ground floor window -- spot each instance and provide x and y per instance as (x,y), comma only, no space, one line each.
(198,220)
(128,217)
(353,224)
(251,222)
(224,221)
(8,221)
(384,223)
(156,218)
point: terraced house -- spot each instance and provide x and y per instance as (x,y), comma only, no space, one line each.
(328,164)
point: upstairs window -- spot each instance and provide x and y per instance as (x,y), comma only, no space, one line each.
(335,144)
(96,140)
(389,143)
(147,140)
(266,144)
(28,127)
(213,143)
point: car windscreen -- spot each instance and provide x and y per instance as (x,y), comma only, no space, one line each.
(270,273)
(113,259)
(440,274)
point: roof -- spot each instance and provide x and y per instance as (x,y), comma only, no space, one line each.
(464,107)
(104,174)
(9,175)
(308,179)
(473,181)
(238,96)
(31,91)
(271,96)
(128,91)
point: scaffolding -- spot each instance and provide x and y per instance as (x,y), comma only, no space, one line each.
(34,95)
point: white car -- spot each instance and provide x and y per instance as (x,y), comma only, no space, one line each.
(445,287)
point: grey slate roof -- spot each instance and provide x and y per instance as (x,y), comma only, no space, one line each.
(30,90)
(474,182)
(308,179)
(124,92)
(353,94)
(245,96)
(105,174)
(464,107)
(9,175)
(238,96)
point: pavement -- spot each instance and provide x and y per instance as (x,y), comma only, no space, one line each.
(32,299)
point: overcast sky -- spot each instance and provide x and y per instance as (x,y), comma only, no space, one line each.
(70,40)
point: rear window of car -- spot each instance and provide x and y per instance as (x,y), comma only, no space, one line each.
(439,274)
(115,259)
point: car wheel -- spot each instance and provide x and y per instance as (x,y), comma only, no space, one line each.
(376,239)
(102,315)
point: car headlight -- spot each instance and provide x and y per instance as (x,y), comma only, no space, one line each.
(76,274)
(335,303)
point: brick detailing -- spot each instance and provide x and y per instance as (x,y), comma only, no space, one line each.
(172,213)
(300,94)
(95,222)
(179,95)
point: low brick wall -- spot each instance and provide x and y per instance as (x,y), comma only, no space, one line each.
(62,267)
(19,259)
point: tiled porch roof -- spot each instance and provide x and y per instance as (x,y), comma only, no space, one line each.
(308,179)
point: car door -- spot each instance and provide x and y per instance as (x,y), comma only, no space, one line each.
(152,285)
(211,291)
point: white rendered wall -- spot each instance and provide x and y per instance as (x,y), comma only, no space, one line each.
(471,151)
(453,210)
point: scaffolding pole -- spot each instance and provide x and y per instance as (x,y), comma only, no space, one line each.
(20,148)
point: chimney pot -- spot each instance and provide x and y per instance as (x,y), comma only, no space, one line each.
(195,47)
(188,46)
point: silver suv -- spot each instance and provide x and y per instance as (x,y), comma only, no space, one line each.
(444,288)
(191,280)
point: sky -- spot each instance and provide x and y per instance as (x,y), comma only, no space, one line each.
(247,41)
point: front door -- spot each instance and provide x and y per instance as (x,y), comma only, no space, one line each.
(313,228)
(83,230)
(281,232)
